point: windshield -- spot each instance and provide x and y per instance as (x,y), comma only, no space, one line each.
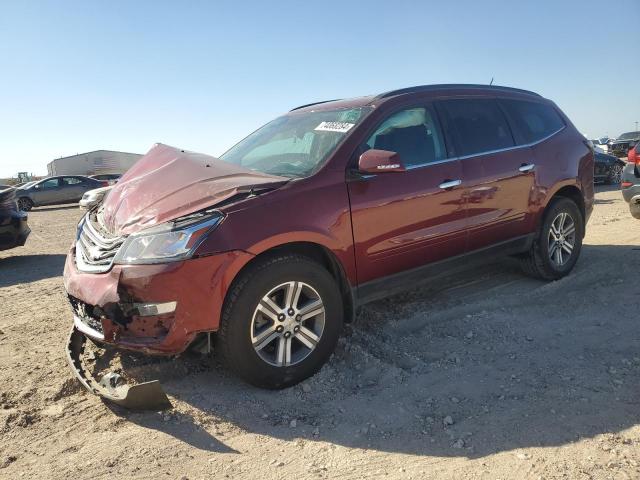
(297,144)
(629,136)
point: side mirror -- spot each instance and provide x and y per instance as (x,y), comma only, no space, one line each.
(37,187)
(380,161)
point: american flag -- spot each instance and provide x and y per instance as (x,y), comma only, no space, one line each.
(102,163)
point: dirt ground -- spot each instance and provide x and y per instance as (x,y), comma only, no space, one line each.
(485,374)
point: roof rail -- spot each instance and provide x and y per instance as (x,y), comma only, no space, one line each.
(451,86)
(314,103)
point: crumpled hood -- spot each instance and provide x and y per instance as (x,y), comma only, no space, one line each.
(168,182)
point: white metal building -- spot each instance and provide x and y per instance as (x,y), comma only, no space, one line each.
(93,163)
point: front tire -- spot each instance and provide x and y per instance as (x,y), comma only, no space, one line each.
(281,321)
(558,242)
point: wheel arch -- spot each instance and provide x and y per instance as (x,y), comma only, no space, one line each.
(318,253)
(572,192)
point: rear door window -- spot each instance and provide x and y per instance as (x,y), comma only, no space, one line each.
(412,133)
(478,125)
(532,121)
(70,181)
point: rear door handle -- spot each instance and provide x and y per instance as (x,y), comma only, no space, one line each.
(447,184)
(526,167)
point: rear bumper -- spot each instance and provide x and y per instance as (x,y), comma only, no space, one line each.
(157,309)
(14,230)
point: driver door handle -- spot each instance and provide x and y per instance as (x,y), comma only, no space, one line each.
(448,184)
(526,167)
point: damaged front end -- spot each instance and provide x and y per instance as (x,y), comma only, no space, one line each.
(135,276)
(142,396)
(156,309)
(112,321)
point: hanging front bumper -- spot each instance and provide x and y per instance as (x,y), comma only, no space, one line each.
(143,396)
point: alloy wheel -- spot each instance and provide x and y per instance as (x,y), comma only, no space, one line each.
(287,324)
(616,174)
(23,204)
(562,239)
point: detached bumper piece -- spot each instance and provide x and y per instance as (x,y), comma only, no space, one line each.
(143,396)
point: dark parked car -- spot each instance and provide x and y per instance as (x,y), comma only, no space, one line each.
(110,178)
(608,169)
(275,244)
(13,223)
(631,182)
(620,147)
(55,190)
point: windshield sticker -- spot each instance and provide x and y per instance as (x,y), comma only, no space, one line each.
(340,127)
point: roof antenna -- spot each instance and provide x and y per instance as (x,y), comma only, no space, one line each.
(491,82)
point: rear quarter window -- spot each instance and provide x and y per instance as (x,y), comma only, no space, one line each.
(532,121)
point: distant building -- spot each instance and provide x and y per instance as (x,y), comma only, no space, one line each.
(93,163)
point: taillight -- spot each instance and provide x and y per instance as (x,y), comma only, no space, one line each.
(626,184)
(104,183)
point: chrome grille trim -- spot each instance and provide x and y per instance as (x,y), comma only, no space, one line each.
(95,250)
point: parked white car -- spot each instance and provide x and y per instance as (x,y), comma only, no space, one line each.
(601,143)
(93,197)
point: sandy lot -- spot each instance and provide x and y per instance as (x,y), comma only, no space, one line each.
(487,374)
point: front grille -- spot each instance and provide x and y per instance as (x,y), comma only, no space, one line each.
(620,147)
(95,247)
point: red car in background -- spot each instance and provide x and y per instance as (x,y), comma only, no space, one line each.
(273,246)
(631,181)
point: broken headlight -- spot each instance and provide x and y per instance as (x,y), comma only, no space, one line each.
(171,241)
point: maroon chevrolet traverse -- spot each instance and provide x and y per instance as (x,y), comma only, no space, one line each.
(266,251)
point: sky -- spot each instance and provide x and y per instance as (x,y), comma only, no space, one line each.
(77,76)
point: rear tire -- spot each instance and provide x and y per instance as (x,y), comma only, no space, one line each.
(260,320)
(25,204)
(556,247)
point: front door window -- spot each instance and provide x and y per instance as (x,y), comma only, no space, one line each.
(48,184)
(413,134)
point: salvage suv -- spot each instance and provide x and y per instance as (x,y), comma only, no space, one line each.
(266,251)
